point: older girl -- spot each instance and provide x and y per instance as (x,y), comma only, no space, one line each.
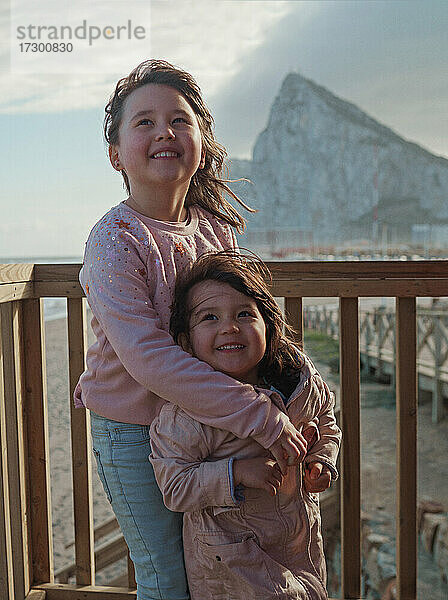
(161,140)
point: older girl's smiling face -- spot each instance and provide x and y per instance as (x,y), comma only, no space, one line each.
(226,330)
(159,139)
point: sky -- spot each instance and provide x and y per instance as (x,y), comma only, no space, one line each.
(386,56)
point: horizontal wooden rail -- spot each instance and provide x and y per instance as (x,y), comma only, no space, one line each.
(16,273)
(358,270)
(61,591)
(290,279)
(58,591)
(105,555)
(100,531)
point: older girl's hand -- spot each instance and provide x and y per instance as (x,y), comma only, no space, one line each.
(290,448)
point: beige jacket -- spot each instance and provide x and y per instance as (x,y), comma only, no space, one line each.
(261,548)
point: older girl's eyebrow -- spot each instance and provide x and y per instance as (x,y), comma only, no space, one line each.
(144,113)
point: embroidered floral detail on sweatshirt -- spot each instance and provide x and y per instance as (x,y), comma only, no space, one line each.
(179,247)
(123,224)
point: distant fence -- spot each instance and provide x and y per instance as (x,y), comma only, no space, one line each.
(377,345)
(279,242)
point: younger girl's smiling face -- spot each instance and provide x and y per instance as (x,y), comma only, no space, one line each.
(226,330)
(159,139)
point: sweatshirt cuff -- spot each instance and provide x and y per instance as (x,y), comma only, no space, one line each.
(235,491)
(333,470)
(216,483)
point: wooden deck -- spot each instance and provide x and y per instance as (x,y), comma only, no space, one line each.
(26,556)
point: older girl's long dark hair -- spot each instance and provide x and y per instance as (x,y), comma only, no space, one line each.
(282,361)
(207,186)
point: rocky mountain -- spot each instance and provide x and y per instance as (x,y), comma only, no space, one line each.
(324,168)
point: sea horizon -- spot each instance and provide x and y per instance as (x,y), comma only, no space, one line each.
(8,260)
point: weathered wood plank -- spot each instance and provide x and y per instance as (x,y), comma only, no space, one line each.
(81,450)
(105,555)
(350,461)
(287,269)
(62,272)
(61,591)
(438,409)
(335,269)
(6,560)
(345,288)
(37,595)
(16,273)
(58,289)
(36,425)
(16,291)
(406,386)
(100,531)
(22,457)
(391,278)
(299,269)
(131,574)
(294,317)
(11,349)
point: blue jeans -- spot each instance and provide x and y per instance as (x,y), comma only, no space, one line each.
(152,532)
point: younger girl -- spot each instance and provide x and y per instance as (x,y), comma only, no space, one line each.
(265,543)
(161,140)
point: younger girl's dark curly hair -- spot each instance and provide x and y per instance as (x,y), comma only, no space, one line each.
(282,361)
(207,187)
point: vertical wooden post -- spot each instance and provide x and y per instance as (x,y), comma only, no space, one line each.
(12,366)
(6,559)
(351,467)
(406,386)
(294,317)
(380,332)
(36,426)
(437,396)
(81,450)
(131,574)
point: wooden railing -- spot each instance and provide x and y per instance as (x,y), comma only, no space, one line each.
(26,555)
(377,345)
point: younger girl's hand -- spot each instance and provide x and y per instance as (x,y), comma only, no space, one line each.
(261,472)
(317,477)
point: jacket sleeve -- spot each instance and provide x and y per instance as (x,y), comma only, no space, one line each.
(326,449)
(115,281)
(180,448)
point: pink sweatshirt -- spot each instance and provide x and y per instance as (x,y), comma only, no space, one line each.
(134,367)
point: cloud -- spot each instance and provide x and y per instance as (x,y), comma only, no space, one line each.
(206,37)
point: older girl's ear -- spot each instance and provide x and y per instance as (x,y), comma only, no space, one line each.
(184,342)
(114,158)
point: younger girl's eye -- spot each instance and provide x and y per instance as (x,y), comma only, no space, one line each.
(209,317)
(145,122)
(180,119)
(245,313)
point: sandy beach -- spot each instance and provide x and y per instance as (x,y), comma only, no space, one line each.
(378,450)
